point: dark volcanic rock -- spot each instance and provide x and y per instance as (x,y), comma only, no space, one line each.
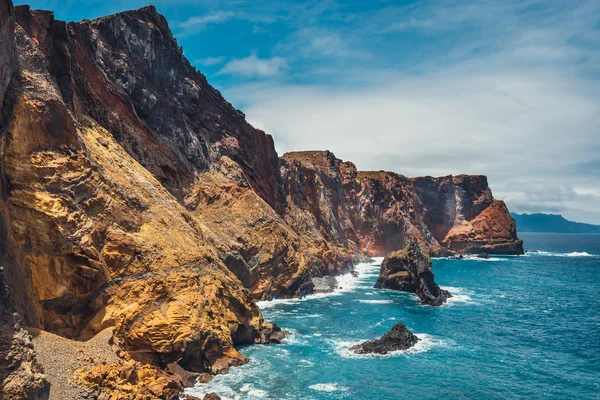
(409,270)
(483,255)
(399,338)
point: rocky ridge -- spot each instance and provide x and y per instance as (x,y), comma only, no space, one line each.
(376,212)
(133,196)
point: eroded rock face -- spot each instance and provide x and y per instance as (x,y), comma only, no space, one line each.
(377,212)
(399,338)
(409,270)
(94,232)
(21,376)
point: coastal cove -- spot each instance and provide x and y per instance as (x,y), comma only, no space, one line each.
(524,327)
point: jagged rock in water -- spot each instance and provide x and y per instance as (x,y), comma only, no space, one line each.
(21,376)
(409,270)
(399,338)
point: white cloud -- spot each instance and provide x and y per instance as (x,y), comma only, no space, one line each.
(514,126)
(252,66)
(210,61)
(197,23)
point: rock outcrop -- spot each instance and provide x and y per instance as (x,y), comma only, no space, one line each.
(95,227)
(21,376)
(399,338)
(409,270)
(374,213)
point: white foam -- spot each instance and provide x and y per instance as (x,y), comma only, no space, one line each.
(579,254)
(377,301)
(553,254)
(345,284)
(474,257)
(233,385)
(294,338)
(308,316)
(459,295)
(252,391)
(425,343)
(327,387)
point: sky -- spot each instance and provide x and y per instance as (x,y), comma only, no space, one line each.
(505,88)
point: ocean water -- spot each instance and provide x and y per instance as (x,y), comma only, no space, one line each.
(517,327)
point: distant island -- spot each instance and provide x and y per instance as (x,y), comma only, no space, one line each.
(551,223)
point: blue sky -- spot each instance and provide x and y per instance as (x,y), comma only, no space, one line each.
(506,88)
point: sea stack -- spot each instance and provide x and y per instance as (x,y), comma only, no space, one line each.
(399,338)
(409,270)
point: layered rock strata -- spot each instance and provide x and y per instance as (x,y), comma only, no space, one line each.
(377,212)
(94,231)
(409,270)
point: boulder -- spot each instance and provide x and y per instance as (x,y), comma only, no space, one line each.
(399,338)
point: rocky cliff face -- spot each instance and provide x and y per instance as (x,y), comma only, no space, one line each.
(133,196)
(95,224)
(377,212)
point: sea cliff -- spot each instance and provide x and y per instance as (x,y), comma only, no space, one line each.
(133,196)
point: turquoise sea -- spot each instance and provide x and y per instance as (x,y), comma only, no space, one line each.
(517,327)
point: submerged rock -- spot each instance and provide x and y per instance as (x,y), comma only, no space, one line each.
(399,338)
(409,270)
(483,255)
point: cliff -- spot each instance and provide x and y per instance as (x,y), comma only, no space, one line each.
(133,196)
(377,212)
(96,225)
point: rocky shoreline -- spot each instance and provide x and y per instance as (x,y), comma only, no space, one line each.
(134,197)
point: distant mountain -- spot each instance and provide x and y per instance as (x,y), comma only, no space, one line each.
(551,223)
